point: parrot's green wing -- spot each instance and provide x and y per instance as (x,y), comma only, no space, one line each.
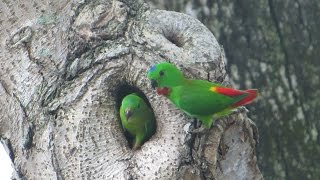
(150,125)
(146,128)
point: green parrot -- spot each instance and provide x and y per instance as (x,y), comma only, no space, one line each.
(137,119)
(200,99)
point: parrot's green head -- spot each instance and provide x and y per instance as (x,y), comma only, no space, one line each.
(131,105)
(165,75)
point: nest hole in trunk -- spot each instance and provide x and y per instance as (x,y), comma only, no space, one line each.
(174,37)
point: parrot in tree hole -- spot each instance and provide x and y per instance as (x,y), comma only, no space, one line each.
(137,119)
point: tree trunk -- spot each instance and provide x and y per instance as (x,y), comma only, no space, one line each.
(65,66)
(273,46)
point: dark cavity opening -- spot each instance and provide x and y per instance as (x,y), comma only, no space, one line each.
(174,39)
(122,91)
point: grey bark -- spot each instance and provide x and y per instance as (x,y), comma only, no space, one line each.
(273,46)
(65,67)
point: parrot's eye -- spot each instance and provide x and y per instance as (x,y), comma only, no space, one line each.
(161,73)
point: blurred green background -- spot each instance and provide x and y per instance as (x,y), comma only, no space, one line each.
(273,46)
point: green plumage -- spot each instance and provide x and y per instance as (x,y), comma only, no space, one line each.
(197,98)
(137,119)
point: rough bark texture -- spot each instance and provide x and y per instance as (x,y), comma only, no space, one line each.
(273,46)
(65,67)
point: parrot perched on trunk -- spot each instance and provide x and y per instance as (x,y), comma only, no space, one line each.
(137,119)
(201,99)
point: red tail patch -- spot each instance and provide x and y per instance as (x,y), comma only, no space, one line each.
(253,93)
(228,91)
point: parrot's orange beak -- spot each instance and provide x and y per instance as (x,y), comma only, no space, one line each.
(154,83)
(128,114)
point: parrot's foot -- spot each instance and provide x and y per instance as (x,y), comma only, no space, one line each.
(200,130)
(240,109)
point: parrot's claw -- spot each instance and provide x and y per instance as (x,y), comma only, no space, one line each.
(200,130)
(240,109)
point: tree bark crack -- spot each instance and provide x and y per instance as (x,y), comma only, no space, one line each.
(24,110)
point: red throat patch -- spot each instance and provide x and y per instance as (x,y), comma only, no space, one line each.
(163,91)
